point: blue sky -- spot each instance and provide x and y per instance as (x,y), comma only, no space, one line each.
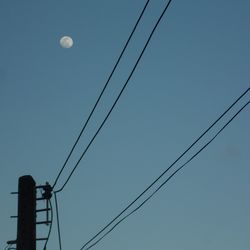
(196,65)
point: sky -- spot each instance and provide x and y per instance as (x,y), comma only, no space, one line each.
(196,65)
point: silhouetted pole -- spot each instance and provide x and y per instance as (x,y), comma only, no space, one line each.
(26,224)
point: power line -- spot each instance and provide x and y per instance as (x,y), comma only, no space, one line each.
(58,223)
(163,173)
(8,247)
(51,209)
(118,97)
(169,178)
(102,92)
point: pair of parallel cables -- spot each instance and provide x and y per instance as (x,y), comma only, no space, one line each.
(102,92)
(117,220)
(110,110)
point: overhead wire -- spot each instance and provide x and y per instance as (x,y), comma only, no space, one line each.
(58,223)
(51,223)
(118,97)
(102,92)
(171,165)
(168,179)
(9,247)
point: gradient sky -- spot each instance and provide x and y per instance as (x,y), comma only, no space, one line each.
(196,65)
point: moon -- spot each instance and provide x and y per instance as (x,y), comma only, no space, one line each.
(66,42)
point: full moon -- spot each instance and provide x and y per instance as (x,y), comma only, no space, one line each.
(66,42)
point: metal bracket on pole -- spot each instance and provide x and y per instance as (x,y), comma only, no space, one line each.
(39,239)
(14,193)
(44,222)
(12,242)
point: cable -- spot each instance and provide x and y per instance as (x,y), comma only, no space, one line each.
(50,228)
(8,247)
(169,178)
(58,223)
(103,90)
(139,196)
(118,97)
(164,172)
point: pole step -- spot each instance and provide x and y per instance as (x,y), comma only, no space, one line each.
(43,210)
(12,242)
(44,222)
(40,239)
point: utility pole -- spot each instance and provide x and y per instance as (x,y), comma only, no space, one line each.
(27,213)
(26,224)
